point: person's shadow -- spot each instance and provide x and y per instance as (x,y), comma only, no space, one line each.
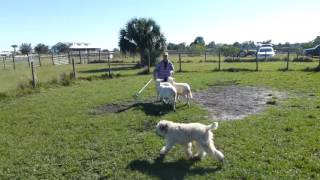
(169,170)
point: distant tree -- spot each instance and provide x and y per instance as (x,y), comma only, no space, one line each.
(199,40)
(316,41)
(247,45)
(229,50)
(211,45)
(105,50)
(198,45)
(237,45)
(142,36)
(307,45)
(25,48)
(182,46)
(60,48)
(116,50)
(172,46)
(41,48)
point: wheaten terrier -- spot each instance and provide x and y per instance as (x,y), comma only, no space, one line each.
(184,134)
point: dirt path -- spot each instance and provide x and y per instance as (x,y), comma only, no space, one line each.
(235,102)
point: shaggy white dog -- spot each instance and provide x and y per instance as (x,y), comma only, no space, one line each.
(184,134)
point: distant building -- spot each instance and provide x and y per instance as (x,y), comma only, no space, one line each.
(83,48)
(5,53)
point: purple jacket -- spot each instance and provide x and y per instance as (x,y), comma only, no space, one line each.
(163,72)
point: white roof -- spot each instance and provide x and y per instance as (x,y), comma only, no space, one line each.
(79,45)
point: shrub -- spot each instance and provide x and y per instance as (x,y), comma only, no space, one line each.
(302,59)
(65,79)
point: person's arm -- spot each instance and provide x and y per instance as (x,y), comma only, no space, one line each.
(156,71)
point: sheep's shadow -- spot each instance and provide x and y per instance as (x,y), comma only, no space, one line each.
(149,108)
(169,170)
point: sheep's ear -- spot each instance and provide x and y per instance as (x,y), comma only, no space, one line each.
(164,128)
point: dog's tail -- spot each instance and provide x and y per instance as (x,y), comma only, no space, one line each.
(213,126)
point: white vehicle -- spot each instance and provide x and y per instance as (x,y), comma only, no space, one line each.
(265,52)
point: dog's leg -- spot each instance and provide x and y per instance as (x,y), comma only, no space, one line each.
(211,150)
(165,149)
(188,149)
(201,153)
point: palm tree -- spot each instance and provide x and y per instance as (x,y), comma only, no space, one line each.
(142,36)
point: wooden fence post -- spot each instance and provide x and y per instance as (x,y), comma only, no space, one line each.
(288,59)
(99,56)
(180,70)
(109,69)
(52,59)
(219,60)
(88,58)
(39,59)
(4,62)
(73,69)
(28,59)
(80,57)
(33,75)
(257,65)
(13,61)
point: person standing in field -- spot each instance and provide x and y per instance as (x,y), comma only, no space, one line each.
(164,68)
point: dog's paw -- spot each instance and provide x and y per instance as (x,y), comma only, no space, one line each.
(196,158)
(160,158)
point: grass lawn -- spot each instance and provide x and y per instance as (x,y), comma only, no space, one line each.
(58,134)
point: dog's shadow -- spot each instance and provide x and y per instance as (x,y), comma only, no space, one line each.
(169,170)
(149,108)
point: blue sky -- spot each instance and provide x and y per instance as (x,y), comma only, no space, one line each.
(99,21)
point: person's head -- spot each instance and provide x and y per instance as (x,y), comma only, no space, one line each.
(165,56)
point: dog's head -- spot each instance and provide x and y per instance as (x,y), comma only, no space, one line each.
(162,127)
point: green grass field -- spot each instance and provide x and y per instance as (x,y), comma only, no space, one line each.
(58,134)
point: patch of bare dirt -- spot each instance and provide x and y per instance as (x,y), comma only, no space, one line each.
(236,102)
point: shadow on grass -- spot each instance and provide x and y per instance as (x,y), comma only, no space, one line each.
(235,70)
(149,108)
(169,170)
(112,69)
(309,69)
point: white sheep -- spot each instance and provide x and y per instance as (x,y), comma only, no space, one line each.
(183,89)
(166,93)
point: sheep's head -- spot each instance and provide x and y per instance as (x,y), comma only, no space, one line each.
(171,80)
